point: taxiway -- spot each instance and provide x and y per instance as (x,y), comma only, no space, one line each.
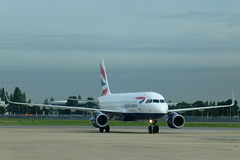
(85,143)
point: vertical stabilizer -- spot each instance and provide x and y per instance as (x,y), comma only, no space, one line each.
(104,81)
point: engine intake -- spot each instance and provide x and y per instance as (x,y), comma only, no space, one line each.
(99,120)
(175,121)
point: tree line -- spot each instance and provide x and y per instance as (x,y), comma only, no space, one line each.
(19,96)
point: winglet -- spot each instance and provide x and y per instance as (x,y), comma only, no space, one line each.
(6,97)
(233,98)
(17,103)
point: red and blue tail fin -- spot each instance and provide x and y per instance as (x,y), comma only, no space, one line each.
(104,81)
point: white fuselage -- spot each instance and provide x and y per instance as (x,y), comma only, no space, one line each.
(138,102)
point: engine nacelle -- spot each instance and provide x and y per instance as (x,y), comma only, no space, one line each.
(175,121)
(99,120)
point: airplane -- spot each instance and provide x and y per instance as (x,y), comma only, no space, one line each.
(134,106)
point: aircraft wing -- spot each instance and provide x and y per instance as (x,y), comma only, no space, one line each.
(197,108)
(91,110)
(202,108)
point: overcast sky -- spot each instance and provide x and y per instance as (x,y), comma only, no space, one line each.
(186,50)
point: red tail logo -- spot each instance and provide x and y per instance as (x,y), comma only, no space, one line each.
(103,72)
(104,92)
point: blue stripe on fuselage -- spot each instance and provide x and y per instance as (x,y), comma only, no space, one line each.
(141,116)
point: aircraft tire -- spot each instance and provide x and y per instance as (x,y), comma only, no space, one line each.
(150,130)
(155,129)
(101,129)
(107,128)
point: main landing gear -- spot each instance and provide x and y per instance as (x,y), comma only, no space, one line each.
(153,127)
(107,129)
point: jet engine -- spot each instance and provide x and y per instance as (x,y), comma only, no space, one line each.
(175,121)
(99,120)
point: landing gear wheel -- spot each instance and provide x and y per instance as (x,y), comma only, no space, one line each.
(155,129)
(150,130)
(101,129)
(107,128)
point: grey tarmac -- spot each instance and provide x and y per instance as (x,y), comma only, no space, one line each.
(85,143)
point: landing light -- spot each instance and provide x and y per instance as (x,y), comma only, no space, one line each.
(150,121)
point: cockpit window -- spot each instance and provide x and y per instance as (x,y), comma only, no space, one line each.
(162,101)
(155,101)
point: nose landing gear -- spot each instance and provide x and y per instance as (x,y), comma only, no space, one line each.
(153,127)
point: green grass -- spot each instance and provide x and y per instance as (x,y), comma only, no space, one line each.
(41,122)
(212,124)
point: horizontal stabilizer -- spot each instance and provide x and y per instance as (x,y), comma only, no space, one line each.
(81,100)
